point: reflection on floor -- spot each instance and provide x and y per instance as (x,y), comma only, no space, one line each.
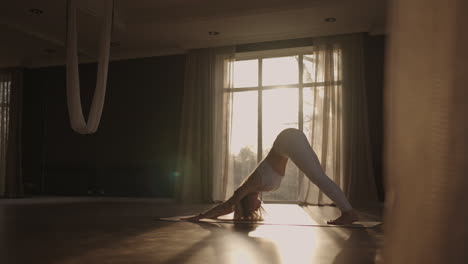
(125,231)
(280,214)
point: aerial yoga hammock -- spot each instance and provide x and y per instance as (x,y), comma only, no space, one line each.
(75,112)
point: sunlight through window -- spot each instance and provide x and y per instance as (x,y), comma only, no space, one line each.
(280,111)
(289,93)
(278,71)
(246,73)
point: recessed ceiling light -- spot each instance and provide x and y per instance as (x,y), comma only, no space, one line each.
(330,19)
(115,44)
(36,11)
(213,33)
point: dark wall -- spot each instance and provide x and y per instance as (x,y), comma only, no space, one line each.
(374,63)
(134,150)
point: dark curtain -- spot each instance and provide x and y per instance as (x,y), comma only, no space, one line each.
(359,183)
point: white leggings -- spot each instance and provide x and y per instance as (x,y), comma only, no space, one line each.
(293,144)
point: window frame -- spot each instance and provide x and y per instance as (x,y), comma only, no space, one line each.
(277,53)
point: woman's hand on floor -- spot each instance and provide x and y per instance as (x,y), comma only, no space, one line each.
(194,218)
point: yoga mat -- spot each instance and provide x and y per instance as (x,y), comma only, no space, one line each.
(292,222)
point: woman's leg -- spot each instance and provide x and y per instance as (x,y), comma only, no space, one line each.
(294,144)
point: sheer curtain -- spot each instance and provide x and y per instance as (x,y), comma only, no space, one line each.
(11,183)
(338,127)
(204,138)
(324,117)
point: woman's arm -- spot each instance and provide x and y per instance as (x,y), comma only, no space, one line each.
(221,209)
(251,185)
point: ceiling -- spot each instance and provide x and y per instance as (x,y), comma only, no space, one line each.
(145,28)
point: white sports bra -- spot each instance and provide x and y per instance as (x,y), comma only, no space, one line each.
(271,180)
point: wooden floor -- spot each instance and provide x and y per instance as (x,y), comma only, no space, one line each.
(66,230)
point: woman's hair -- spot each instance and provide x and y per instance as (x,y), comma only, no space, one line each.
(249,208)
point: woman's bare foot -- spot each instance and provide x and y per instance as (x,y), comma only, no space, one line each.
(346,218)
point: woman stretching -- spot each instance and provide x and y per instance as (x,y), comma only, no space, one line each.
(289,144)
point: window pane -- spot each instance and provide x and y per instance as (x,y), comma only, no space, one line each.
(244,135)
(282,70)
(4,121)
(280,111)
(309,69)
(245,73)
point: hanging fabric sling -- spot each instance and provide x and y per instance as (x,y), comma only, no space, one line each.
(75,112)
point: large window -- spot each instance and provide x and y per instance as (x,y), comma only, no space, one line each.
(4,120)
(273,90)
(4,113)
